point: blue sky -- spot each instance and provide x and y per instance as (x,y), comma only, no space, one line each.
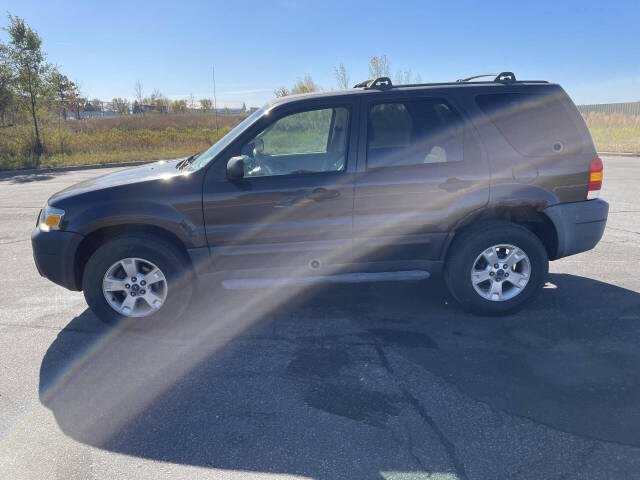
(589,47)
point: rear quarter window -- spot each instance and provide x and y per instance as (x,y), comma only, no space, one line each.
(535,124)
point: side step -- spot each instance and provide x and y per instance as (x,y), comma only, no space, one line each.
(249,283)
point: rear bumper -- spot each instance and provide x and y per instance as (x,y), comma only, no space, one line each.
(579,225)
(54,254)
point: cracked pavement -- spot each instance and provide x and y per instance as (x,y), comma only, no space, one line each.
(356,381)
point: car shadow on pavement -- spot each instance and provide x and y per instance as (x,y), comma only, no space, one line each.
(24,177)
(302,387)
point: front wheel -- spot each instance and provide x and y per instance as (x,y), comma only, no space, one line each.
(495,268)
(137,278)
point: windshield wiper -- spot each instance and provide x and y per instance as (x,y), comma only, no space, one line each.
(187,161)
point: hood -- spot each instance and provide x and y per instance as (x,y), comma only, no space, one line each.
(158,170)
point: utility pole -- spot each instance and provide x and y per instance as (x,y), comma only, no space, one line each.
(215,105)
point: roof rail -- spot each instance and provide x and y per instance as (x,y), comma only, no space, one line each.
(380,83)
(502,77)
(505,78)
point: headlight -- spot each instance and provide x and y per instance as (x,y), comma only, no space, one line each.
(50,218)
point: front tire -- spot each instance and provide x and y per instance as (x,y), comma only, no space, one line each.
(495,268)
(142,279)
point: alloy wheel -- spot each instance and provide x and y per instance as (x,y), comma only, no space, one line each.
(134,287)
(501,272)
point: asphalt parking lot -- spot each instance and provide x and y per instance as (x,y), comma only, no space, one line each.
(356,381)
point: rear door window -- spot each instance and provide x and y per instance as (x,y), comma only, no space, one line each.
(535,124)
(414,132)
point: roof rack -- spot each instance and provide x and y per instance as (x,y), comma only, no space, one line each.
(502,77)
(380,83)
(384,83)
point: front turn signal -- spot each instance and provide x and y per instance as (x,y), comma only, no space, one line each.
(51,218)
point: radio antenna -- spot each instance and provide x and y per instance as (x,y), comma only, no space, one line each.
(215,104)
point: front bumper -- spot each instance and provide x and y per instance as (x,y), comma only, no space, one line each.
(579,225)
(55,253)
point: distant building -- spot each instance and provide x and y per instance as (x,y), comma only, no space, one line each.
(234,108)
(91,114)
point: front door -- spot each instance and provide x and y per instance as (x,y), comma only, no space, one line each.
(293,210)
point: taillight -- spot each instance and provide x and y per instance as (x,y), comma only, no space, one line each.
(595,178)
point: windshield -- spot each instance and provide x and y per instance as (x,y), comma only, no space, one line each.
(221,144)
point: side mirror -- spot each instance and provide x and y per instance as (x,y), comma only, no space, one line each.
(235,168)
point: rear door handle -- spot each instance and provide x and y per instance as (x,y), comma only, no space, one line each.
(454,184)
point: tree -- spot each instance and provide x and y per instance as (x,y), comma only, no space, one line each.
(406,78)
(96,104)
(206,104)
(6,84)
(64,90)
(379,67)
(137,89)
(31,71)
(342,78)
(120,106)
(179,106)
(74,100)
(159,102)
(88,106)
(281,91)
(302,85)
(305,85)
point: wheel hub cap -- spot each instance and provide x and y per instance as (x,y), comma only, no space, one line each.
(501,272)
(134,287)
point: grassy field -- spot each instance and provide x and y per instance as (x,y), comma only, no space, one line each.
(156,136)
(116,139)
(614,132)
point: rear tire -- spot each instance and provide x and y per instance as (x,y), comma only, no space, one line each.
(174,288)
(481,287)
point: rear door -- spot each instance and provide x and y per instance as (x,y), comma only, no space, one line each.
(421,170)
(294,207)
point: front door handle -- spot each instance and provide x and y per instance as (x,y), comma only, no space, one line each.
(293,199)
(321,194)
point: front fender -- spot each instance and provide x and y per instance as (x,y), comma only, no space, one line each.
(175,207)
(142,213)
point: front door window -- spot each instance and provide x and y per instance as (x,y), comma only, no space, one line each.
(301,143)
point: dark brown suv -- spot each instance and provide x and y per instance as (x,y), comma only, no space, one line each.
(480,181)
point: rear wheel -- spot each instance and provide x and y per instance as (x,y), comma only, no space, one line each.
(138,278)
(496,267)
